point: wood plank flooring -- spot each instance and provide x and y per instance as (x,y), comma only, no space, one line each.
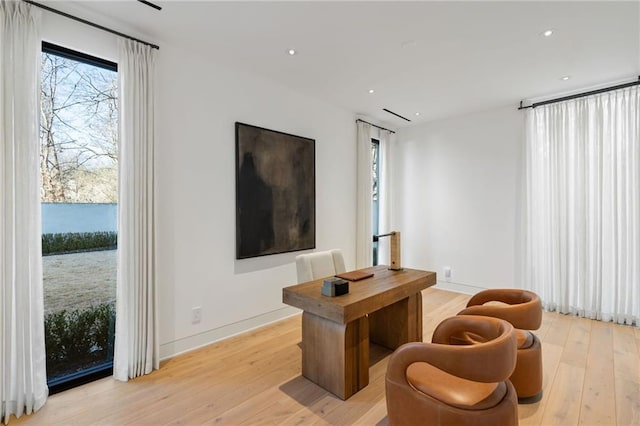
(591,377)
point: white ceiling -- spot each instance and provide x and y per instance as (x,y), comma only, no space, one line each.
(438,58)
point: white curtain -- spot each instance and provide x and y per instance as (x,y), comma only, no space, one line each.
(386,139)
(136,345)
(364,183)
(582,206)
(364,225)
(23,378)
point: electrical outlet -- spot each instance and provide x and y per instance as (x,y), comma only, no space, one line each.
(447,273)
(196,315)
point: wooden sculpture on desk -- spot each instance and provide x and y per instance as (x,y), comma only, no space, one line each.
(394,263)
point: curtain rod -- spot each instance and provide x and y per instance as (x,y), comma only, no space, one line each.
(371,124)
(581,95)
(84,21)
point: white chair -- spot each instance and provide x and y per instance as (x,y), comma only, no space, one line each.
(321,264)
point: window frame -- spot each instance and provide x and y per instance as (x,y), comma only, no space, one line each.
(75,55)
(106,369)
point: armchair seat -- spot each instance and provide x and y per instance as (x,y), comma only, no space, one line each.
(525,338)
(453,390)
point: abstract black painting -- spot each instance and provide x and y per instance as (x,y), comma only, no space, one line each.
(275,192)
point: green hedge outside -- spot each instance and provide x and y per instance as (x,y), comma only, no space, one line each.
(78,241)
(79,339)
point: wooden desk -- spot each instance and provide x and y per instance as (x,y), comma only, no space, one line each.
(386,309)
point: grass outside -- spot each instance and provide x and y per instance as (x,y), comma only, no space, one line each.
(79,280)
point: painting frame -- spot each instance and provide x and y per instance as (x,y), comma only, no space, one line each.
(275,192)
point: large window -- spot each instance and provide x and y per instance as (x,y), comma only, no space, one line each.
(79,194)
(375,205)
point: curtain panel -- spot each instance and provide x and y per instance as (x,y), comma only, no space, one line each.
(364,184)
(136,344)
(582,206)
(386,139)
(364,225)
(23,380)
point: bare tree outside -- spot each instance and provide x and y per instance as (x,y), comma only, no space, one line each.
(375,148)
(78,133)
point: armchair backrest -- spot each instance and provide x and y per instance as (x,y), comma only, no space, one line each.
(490,346)
(321,264)
(477,348)
(522,308)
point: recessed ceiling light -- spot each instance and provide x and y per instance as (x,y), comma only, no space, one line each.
(548,33)
(565,78)
(291,52)
(417,114)
(371,90)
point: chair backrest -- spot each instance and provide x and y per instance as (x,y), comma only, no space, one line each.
(490,351)
(321,264)
(522,308)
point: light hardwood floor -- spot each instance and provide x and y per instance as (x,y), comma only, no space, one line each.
(591,376)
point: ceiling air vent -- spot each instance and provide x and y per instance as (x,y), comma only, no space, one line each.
(397,115)
(148,3)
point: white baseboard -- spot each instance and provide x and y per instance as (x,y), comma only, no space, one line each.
(459,287)
(190,343)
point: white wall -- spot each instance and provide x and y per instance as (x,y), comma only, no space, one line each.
(198,103)
(456,186)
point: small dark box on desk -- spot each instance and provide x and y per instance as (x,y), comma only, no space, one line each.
(335,287)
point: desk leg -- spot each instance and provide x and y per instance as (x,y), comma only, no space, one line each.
(335,356)
(397,324)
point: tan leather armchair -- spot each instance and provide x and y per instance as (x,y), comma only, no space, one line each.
(461,378)
(523,309)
